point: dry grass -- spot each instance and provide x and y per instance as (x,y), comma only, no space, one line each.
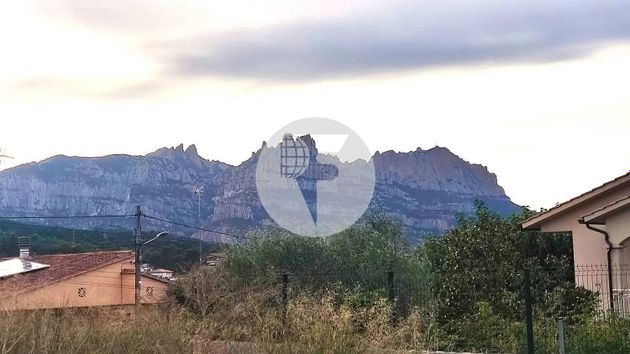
(311,325)
(217,317)
(95,331)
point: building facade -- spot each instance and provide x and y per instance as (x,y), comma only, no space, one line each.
(599,223)
(78,280)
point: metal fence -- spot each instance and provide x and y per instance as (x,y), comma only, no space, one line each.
(610,283)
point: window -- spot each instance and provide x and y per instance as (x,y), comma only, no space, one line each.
(150,291)
(81,292)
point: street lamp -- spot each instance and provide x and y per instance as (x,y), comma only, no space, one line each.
(139,263)
(163,233)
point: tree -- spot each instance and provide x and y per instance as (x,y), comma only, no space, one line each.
(483,259)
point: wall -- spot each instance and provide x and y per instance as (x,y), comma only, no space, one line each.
(100,287)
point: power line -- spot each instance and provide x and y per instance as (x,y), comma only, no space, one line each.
(6,220)
(67,217)
(175,239)
(195,227)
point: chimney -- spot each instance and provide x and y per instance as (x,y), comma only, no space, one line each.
(24,244)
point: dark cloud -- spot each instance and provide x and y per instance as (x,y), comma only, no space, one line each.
(415,35)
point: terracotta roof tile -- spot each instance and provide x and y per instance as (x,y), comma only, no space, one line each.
(62,266)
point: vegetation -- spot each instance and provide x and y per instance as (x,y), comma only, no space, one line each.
(95,331)
(361,290)
(171,252)
(462,291)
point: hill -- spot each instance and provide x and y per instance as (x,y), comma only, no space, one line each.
(169,252)
(424,189)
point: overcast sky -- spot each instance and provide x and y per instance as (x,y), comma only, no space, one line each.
(538,91)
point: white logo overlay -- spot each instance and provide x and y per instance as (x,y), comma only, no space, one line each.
(315,177)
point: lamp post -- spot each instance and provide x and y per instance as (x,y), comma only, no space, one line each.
(139,262)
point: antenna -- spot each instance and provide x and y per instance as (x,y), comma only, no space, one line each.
(198,192)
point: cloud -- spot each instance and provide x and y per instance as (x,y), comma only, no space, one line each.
(50,87)
(412,35)
(131,17)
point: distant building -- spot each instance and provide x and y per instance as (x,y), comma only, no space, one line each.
(161,273)
(74,280)
(214,259)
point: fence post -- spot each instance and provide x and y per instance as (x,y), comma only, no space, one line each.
(529,322)
(390,286)
(285,296)
(391,294)
(561,336)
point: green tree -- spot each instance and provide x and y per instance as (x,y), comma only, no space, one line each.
(483,260)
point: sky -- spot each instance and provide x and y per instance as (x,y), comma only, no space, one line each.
(537,91)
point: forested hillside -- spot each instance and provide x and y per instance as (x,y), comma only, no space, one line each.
(170,252)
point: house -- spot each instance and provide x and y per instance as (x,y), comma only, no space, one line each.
(161,273)
(599,224)
(215,259)
(74,280)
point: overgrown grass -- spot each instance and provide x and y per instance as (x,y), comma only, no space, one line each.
(104,330)
(313,323)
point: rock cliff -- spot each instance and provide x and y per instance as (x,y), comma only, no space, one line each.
(424,189)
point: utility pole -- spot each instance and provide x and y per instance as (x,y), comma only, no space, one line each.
(138,258)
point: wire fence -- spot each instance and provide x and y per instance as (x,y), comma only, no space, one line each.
(528,301)
(610,283)
(546,314)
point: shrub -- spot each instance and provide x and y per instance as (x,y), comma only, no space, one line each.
(569,302)
(593,336)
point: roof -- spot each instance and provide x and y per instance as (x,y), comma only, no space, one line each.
(535,221)
(62,267)
(155,277)
(161,270)
(14,266)
(598,216)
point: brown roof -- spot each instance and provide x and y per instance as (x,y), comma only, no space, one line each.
(598,215)
(535,221)
(62,266)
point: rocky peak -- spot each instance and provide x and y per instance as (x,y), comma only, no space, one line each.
(436,169)
(178,153)
(191,151)
(424,189)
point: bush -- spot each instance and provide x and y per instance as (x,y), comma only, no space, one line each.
(357,258)
(592,336)
(568,302)
(486,331)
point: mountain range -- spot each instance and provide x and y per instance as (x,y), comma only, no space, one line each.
(423,189)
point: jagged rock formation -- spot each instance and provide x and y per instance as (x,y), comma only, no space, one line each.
(424,189)
(162,182)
